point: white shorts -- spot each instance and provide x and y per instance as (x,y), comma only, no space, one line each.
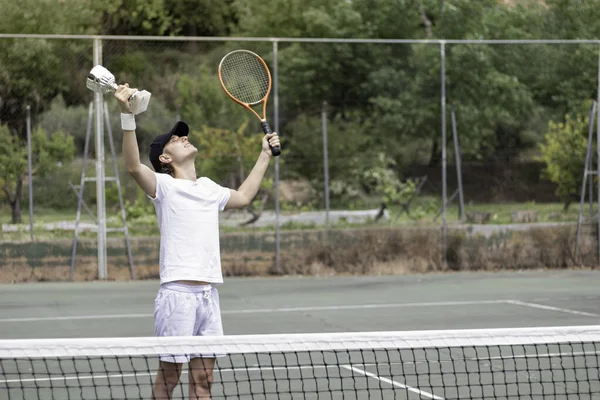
(187,310)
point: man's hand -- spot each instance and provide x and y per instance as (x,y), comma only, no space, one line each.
(247,191)
(273,140)
(123,94)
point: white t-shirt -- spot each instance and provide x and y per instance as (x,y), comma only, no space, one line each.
(188,218)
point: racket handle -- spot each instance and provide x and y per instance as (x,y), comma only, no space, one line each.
(267,130)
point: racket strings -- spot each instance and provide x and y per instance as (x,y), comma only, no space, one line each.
(245,77)
(247,81)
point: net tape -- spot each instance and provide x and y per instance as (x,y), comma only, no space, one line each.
(239,344)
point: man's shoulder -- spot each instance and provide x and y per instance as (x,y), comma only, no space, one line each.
(204,180)
(164,179)
(163,176)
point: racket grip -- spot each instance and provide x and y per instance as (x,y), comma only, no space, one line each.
(267,130)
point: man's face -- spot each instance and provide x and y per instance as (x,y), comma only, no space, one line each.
(178,149)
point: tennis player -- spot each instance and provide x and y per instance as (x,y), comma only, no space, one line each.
(187,207)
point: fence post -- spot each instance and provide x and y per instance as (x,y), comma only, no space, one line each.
(325,163)
(30,172)
(444,183)
(598,154)
(276,125)
(100,195)
(457,161)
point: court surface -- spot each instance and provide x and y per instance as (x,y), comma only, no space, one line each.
(336,304)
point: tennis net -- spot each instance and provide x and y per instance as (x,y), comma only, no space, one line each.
(523,363)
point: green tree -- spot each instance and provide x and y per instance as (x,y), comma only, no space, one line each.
(169,17)
(202,17)
(33,71)
(397,86)
(349,145)
(135,17)
(224,155)
(227,156)
(48,153)
(30,74)
(257,18)
(52,16)
(203,102)
(493,105)
(564,154)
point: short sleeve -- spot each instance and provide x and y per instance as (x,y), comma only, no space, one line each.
(164,183)
(222,193)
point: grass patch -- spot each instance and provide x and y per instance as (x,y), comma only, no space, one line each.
(426,209)
(423,213)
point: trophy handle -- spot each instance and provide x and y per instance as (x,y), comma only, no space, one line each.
(139,101)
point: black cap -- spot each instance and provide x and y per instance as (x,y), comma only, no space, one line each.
(159,142)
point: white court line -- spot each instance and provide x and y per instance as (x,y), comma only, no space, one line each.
(84,377)
(136,375)
(300,367)
(267,310)
(321,308)
(393,383)
(364,306)
(75,317)
(551,308)
(255,368)
(142,374)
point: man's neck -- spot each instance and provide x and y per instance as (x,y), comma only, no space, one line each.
(188,173)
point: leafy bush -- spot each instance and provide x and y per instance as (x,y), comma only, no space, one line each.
(139,209)
(564,155)
(71,120)
(49,153)
(398,251)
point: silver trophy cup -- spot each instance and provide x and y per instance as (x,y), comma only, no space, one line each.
(101,80)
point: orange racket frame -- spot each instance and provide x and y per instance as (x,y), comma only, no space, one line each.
(263,120)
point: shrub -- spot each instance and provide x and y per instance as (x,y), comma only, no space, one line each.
(564,155)
(396,251)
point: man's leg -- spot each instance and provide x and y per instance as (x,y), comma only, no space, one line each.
(166,380)
(208,323)
(201,378)
(174,315)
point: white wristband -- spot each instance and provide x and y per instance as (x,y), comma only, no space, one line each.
(127,122)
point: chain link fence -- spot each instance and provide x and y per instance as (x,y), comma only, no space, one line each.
(442,135)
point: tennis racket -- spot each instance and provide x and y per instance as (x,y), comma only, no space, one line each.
(246,79)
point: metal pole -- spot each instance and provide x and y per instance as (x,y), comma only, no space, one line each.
(276,125)
(30,172)
(444,184)
(325,163)
(100,195)
(590,168)
(586,171)
(598,153)
(80,201)
(590,158)
(461,198)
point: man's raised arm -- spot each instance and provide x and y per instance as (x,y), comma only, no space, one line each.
(245,194)
(143,175)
